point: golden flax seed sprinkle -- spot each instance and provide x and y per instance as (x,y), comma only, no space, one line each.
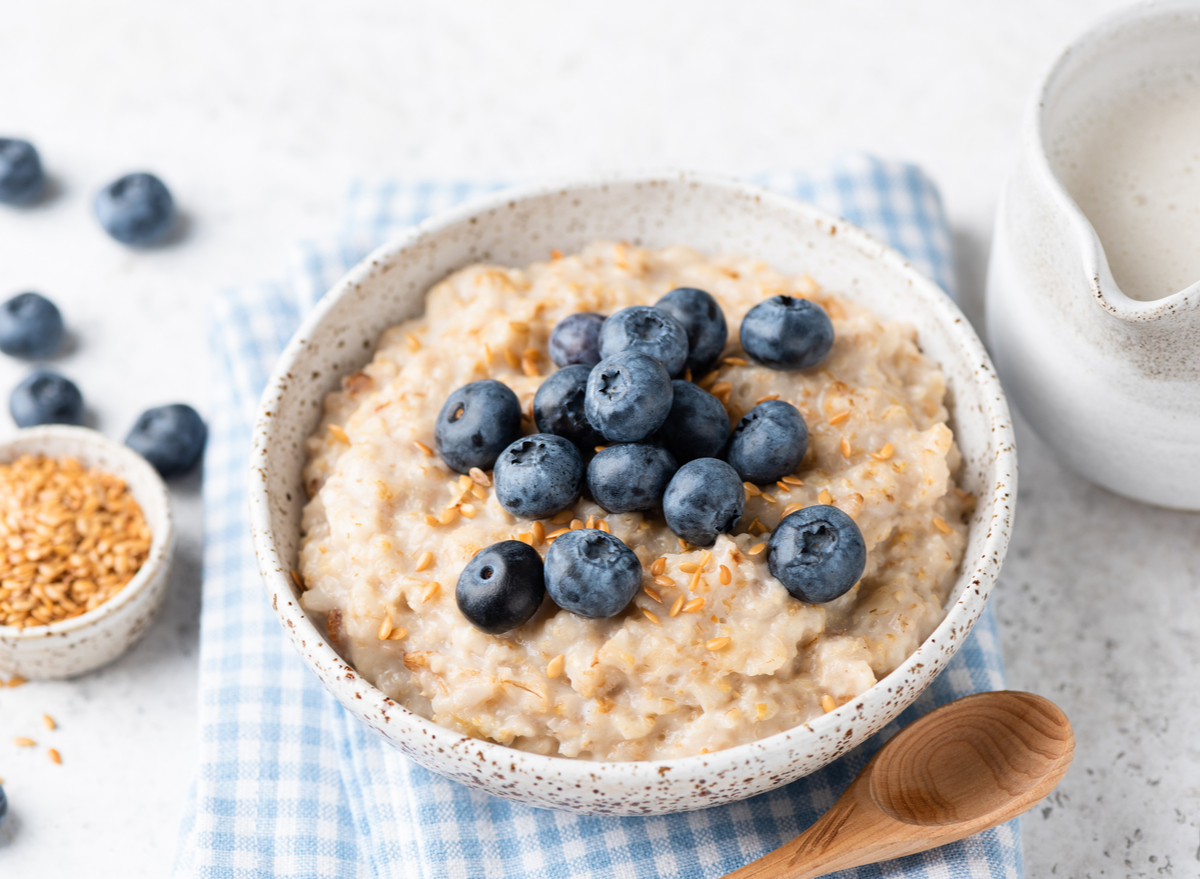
(53,754)
(48,722)
(71,538)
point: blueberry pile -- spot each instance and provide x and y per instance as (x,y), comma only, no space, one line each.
(618,422)
(137,210)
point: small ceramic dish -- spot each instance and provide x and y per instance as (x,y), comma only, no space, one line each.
(95,638)
(516,228)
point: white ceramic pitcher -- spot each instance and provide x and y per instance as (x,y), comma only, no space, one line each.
(1110,382)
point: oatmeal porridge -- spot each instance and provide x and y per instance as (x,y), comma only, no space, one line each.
(712,651)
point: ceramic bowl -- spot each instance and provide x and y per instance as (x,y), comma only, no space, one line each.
(95,638)
(521,226)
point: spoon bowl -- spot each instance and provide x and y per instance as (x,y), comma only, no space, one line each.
(959,770)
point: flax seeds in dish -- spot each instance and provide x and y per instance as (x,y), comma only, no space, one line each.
(71,538)
(713,651)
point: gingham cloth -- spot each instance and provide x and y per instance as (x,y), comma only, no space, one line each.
(291,785)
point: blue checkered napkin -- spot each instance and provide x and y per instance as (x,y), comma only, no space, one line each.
(290,785)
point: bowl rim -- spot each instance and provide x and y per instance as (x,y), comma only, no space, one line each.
(996,516)
(161,534)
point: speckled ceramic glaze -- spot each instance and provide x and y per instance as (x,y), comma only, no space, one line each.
(99,636)
(519,227)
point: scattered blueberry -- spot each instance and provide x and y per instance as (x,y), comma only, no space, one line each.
(169,437)
(768,443)
(21,175)
(704,323)
(538,475)
(477,422)
(630,476)
(592,573)
(136,209)
(502,587)
(30,326)
(628,397)
(558,407)
(576,339)
(697,426)
(705,498)
(817,553)
(649,330)
(787,333)
(45,397)
(3,804)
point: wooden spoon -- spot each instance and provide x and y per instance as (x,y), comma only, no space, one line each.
(960,769)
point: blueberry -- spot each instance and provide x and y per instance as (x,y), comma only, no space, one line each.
(558,407)
(502,587)
(45,397)
(21,175)
(477,422)
(3,804)
(169,437)
(630,476)
(704,323)
(30,326)
(649,330)
(628,397)
(787,333)
(768,443)
(136,209)
(704,499)
(591,573)
(538,476)
(817,553)
(697,426)
(576,339)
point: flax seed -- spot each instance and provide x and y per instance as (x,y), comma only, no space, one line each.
(385,628)
(651,616)
(591,522)
(297,579)
(845,446)
(425,450)
(718,643)
(793,480)
(431,590)
(769,498)
(764,399)
(526,538)
(883,454)
(689,567)
(562,518)
(660,565)
(789,509)
(940,524)
(827,703)
(756,549)
(53,754)
(725,576)
(513,360)
(467,510)
(664,581)
(425,561)
(675,607)
(431,520)
(559,533)
(555,666)
(479,477)
(752,490)
(338,434)
(694,606)
(23,742)
(48,722)
(734,361)
(654,595)
(576,524)
(538,530)
(825,497)
(398,634)
(839,418)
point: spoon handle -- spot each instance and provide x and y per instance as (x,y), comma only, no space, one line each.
(851,834)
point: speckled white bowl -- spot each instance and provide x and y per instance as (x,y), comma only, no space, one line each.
(95,638)
(518,227)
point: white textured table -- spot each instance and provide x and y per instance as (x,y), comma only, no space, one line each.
(259,115)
